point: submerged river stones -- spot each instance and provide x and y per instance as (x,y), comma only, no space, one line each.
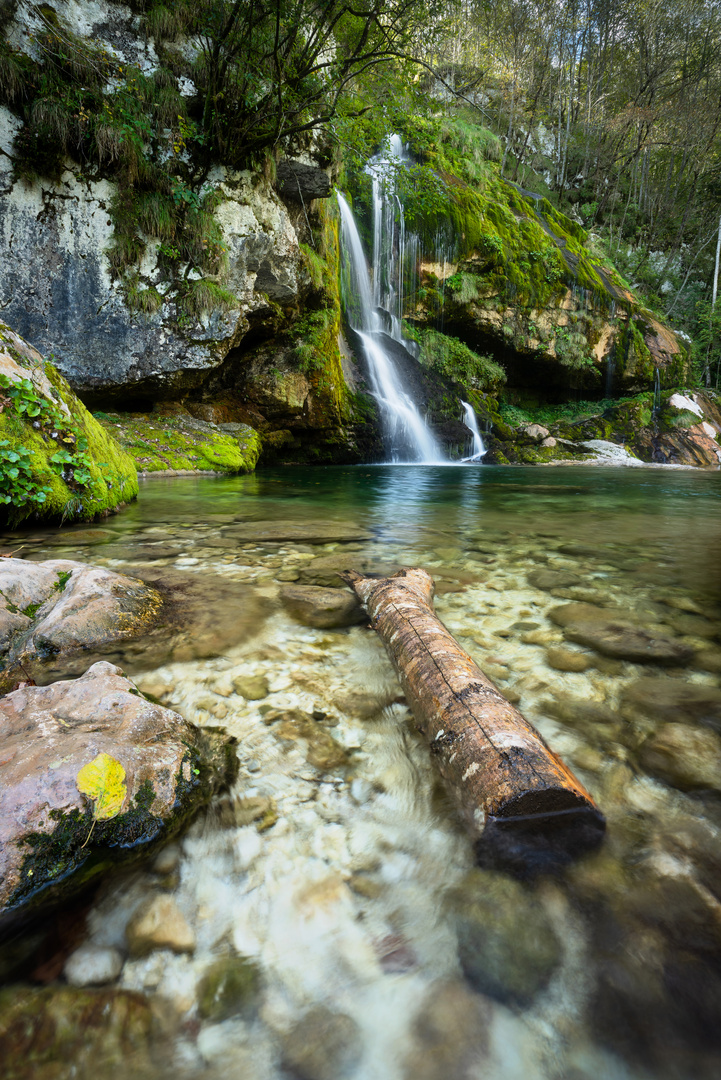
(51,833)
(59,608)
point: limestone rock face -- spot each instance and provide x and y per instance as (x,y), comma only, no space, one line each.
(48,734)
(76,310)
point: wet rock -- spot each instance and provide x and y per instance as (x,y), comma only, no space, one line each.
(662,698)
(48,836)
(708,660)
(568,660)
(69,606)
(65,1033)
(507,946)
(595,721)
(159,924)
(450,1034)
(228,988)
(614,634)
(687,758)
(322,750)
(257,810)
(323,1045)
(322,608)
(552,579)
(536,432)
(251,687)
(93,965)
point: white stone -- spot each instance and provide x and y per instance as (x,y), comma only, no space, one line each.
(93,965)
(680,401)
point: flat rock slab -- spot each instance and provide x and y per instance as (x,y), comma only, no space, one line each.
(552,579)
(665,699)
(322,608)
(276,532)
(49,733)
(616,634)
(59,606)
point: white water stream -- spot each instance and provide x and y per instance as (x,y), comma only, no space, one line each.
(471,422)
(408,435)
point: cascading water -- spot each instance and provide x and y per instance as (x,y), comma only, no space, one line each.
(409,438)
(471,422)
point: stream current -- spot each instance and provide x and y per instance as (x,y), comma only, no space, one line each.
(337,866)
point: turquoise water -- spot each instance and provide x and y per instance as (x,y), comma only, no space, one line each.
(361,899)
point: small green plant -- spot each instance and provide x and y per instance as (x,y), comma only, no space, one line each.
(18,486)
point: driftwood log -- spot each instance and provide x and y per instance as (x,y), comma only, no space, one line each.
(517,798)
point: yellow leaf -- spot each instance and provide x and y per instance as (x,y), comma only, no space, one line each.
(103,780)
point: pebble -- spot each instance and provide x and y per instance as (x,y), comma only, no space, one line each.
(93,965)
(251,687)
(568,660)
(159,924)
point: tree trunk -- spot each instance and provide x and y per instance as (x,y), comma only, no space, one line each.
(516,797)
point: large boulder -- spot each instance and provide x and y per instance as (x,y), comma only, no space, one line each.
(322,608)
(52,611)
(151,770)
(56,460)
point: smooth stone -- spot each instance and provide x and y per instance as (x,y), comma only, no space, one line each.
(552,579)
(48,734)
(450,1033)
(568,660)
(251,687)
(322,750)
(661,698)
(634,644)
(506,943)
(572,614)
(708,660)
(93,965)
(322,608)
(228,988)
(687,758)
(159,924)
(323,1045)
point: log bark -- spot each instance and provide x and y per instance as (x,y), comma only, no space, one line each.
(517,798)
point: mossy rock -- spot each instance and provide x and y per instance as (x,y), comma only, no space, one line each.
(177,443)
(46,421)
(228,988)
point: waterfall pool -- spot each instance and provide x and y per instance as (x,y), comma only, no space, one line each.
(340,927)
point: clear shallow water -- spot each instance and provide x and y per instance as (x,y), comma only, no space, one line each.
(357,898)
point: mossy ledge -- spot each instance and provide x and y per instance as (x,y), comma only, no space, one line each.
(179,443)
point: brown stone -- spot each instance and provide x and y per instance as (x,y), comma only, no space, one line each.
(322,608)
(159,924)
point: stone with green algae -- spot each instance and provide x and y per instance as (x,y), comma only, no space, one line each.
(179,443)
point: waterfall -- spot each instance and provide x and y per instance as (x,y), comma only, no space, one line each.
(657,391)
(470,420)
(409,438)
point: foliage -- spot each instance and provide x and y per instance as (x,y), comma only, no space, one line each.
(451,357)
(18,485)
(103,781)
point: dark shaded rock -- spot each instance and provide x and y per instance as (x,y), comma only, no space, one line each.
(450,1034)
(506,943)
(64,1033)
(687,758)
(228,988)
(48,837)
(323,608)
(323,1045)
(296,180)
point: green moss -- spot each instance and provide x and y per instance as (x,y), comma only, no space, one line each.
(160,444)
(80,470)
(451,357)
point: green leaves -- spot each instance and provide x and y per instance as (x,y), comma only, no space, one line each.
(17,484)
(103,781)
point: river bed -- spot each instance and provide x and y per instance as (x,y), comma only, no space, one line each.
(339,927)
